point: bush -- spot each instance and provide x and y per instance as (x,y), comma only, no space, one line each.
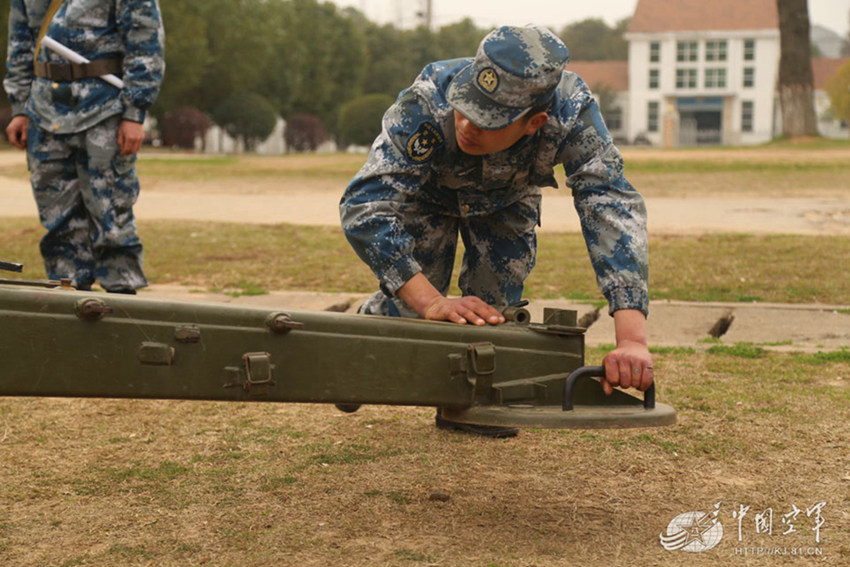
(304,133)
(360,118)
(246,116)
(183,125)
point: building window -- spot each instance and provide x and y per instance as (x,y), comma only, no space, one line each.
(652,118)
(614,119)
(653,78)
(715,50)
(749,77)
(715,78)
(749,50)
(686,51)
(747,116)
(686,78)
(654,52)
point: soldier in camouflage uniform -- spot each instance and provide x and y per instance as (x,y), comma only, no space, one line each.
(82,134)
(465,150)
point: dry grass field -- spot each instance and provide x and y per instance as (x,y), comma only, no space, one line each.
(762,437)
(166,483)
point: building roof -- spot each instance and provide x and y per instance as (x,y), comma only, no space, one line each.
(613,74)
(658,16)
(824,69)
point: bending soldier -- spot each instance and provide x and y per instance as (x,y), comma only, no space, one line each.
(465,150)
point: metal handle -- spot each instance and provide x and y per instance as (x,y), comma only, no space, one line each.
(11,266)
(597,372)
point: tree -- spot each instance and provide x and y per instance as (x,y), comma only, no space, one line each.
(389,68)
(460,39)
(796,80)
(593,40)
(246,116)
(318,59)
(838,89)
(360,119)
(304,133)
(187,55)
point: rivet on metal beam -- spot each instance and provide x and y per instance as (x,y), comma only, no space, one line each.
(91,309)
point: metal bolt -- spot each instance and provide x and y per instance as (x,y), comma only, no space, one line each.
(92,309)
(282,323)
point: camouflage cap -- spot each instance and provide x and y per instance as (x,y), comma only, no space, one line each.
(515,69)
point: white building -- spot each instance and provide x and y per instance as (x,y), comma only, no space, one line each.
(701,73)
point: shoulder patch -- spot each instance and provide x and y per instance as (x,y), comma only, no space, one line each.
(422,143)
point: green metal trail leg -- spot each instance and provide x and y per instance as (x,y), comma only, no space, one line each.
(55,341)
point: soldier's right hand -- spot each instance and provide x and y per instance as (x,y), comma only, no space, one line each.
(462,310)
(426,300)
(16,131)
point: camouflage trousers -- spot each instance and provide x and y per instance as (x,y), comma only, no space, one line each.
(85,191)
(500,250)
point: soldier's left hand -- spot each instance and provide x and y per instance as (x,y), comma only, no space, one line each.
(130,137)
(628,366)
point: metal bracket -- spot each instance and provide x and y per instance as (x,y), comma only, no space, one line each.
(255,375)
(482,365)
(156,354)
(187,334)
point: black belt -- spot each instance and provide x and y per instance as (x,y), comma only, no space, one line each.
(66,72)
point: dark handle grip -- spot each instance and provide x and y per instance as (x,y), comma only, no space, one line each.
(11,266)
(597,372)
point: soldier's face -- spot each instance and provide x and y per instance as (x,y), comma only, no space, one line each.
(477,142)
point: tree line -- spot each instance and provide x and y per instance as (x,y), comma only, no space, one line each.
(326,70)
(237,61)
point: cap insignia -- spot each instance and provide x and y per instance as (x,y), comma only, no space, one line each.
(488,80)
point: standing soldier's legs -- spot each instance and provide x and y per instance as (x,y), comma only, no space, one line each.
(501,249)
(65,248)
(109,187)
(435,235)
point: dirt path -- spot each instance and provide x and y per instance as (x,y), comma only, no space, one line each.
(314,202)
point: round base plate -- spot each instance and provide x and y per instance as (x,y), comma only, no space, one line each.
(553,417)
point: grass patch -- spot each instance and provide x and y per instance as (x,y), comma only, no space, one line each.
(255,259)
(740,350)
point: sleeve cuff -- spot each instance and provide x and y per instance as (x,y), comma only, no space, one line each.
(398,274)
(134,115)
(627,298)
(19,109)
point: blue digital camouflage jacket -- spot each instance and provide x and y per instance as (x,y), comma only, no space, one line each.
(96,29)
(416,157)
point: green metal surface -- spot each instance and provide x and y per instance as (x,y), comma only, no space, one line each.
(55,341)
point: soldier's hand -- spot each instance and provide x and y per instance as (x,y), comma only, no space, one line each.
(130,137)
(16,131)
(462,310)
(628,366)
